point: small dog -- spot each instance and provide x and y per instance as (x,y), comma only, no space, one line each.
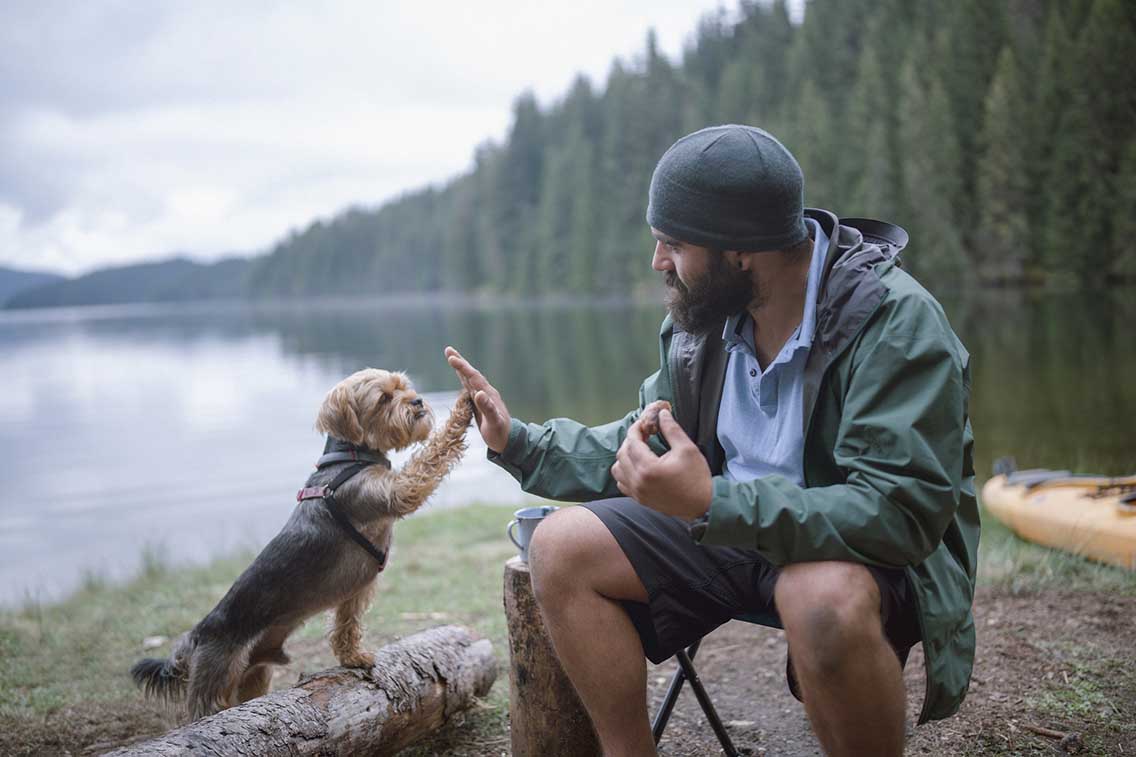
(313,564)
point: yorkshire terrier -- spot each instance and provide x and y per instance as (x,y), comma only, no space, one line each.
(316,563)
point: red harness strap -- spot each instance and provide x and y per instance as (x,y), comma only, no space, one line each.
(311,492)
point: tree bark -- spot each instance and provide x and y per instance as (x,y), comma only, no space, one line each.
(546,716)
(417,684)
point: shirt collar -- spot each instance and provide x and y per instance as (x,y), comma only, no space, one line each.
(738,336)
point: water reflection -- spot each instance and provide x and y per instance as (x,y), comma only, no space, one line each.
(190,426)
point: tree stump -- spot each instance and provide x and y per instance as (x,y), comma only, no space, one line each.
(545,715)
(415,687)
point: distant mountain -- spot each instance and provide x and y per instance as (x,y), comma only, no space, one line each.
(13,281)
(172,280)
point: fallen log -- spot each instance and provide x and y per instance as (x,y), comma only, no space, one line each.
(415,687)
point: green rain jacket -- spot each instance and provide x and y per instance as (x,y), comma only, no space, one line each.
(888,465)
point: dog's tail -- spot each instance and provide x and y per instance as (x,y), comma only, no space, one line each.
(166,679)
(202,670)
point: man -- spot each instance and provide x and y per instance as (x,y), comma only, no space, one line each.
(817,467)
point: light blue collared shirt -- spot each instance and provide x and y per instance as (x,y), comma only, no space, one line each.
(760,424)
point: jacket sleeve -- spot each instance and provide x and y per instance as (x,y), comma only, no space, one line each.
(900,445)
(565,460)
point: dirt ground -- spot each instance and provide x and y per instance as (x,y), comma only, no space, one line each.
(1056,662)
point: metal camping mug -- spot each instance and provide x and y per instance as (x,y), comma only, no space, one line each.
(527,519)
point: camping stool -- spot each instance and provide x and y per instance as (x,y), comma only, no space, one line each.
(686,671)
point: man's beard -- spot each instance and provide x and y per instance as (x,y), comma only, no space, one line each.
(705,305)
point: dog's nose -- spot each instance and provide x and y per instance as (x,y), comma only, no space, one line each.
(417,402)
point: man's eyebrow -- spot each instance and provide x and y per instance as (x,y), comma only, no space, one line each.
(664,238)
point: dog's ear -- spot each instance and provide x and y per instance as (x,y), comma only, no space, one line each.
(338,416)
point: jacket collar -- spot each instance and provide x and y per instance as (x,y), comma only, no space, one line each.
(848,295)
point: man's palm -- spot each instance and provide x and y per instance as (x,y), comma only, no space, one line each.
(493,419)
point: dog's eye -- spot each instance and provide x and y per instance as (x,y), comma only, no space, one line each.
(384,398)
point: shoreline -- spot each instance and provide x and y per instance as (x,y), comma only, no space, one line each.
(63,666)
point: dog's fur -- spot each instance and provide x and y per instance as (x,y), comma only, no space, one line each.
(312,565)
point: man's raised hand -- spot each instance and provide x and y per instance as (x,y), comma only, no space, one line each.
(493,418)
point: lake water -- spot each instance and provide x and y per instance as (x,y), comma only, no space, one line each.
(186,430)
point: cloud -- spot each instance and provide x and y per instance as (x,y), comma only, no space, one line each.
(132,130)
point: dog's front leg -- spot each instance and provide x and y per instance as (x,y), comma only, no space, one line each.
(346,634)
(426,468)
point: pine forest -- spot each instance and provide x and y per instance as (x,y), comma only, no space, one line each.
(1001,135)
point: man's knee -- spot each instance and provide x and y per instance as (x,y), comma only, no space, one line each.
(555,547)
(830,610)
(572,550)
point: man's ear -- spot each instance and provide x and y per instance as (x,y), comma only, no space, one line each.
(740,261)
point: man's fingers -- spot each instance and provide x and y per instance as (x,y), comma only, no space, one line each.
(636,430)
(621,474)
(636,451)
(671,431)
(469,375)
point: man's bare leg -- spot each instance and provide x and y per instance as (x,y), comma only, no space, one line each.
(850,677)
(579,573)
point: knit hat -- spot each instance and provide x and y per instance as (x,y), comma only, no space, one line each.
(730,188)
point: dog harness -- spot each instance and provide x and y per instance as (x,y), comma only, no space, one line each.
(335,452)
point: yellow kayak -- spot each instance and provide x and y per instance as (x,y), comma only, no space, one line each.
(1091,516)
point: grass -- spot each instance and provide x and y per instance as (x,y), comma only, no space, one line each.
(1012,564)
(446,568)
(1092,685)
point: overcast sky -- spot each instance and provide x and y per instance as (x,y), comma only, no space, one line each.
(133,130)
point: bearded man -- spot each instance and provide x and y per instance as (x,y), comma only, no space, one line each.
(817,468)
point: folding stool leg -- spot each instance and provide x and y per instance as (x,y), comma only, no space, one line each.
(686,671)
(707,705)
(673,689)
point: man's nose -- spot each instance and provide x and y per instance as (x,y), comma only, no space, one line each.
(660,261)
(417,402)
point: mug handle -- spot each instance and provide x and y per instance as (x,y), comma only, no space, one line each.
(509,533)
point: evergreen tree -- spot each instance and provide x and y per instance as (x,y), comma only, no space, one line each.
(771,43)
(519,182)
(491,258)
(459,249)
(868,162)
(703,62)
(631,145)
(827,46)
(929,157)
(1040,127)
(739,91)
(967,48)
(1124,230)
(1003,188)
(810,140)
(1098,119)
(552,217)
(582,222)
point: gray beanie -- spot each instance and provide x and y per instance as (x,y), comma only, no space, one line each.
(730,188)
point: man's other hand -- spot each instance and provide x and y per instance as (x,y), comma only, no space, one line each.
(492,416)
(676,483)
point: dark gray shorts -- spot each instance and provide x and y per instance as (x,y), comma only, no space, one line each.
(693,589)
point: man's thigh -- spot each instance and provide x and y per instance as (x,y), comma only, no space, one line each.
(692,589)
